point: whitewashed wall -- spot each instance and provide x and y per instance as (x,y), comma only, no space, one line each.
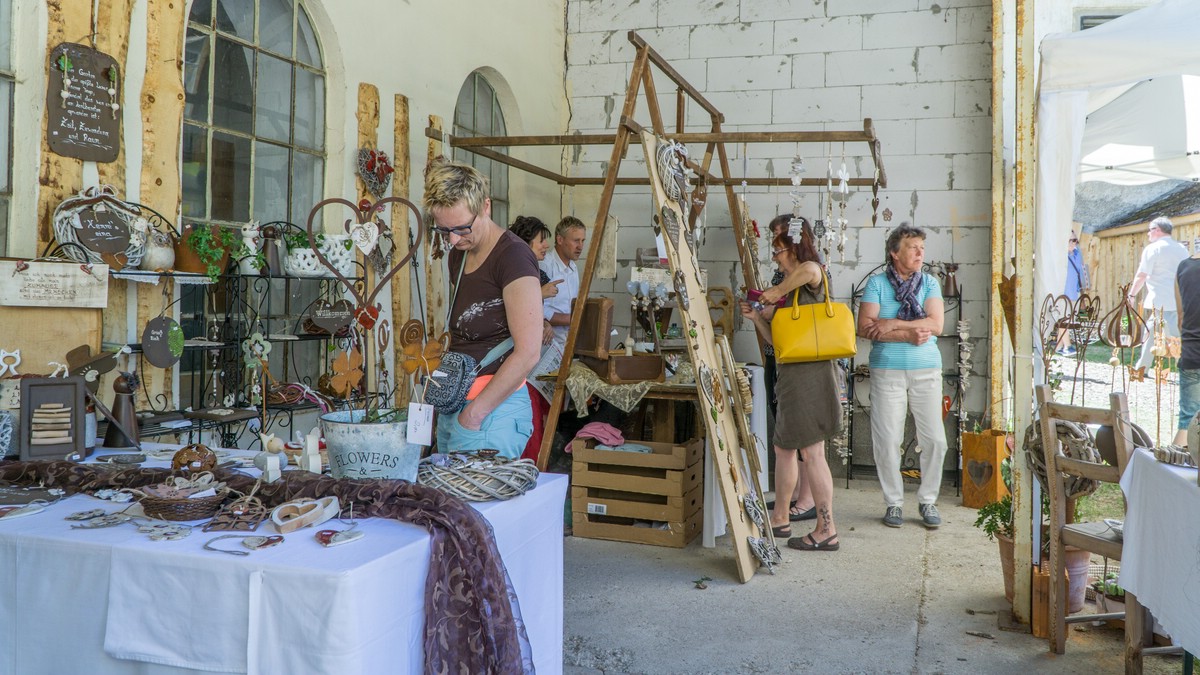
(920,69)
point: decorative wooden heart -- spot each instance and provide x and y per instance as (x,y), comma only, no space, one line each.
(329,538)
(364,214)
(365,236)
(980,472)
(333,317)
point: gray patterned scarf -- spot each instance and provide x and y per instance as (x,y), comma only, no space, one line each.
(906,294)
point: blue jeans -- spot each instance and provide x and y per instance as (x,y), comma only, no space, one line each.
(1189,396)
(506,429)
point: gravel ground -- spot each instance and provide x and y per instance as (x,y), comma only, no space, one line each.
(1153,407)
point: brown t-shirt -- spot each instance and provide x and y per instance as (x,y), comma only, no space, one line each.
(477,319)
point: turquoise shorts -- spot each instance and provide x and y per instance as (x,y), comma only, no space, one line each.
(506,429)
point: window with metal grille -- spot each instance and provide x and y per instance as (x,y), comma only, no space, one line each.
(478,113)
(7,83)
(253,148)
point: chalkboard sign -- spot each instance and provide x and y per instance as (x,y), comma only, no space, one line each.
(82,99)
(102,229)
(162,342)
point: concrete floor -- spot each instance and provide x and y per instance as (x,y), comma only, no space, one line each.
(890,601)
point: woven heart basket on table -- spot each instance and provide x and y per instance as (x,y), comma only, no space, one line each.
(183,509)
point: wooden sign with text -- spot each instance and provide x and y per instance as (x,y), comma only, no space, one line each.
(52,284)
(82,93)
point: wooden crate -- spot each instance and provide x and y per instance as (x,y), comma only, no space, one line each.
(665,455)
(595,328)
(677,534)
(621,504)
(615,493)
(982,482)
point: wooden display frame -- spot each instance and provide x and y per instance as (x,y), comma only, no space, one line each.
(46,395)
(641,83)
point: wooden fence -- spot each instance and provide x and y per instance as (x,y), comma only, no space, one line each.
(1112,255)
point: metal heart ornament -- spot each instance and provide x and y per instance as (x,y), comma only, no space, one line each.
(365,236)
(364,217)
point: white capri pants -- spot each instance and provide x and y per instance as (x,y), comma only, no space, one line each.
(893,394)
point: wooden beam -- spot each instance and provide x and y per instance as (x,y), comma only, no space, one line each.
(521,164)
(688,137)
(670,72)
(401,236)
(161,108)
(585,279)
(435,269)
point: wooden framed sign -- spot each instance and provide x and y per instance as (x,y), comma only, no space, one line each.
(52,418)
(26,283)
(82,93)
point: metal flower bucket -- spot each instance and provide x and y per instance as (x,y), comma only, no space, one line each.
(360,449)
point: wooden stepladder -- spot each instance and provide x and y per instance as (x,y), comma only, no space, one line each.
(748,521)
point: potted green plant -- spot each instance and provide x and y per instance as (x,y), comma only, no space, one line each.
(996,521)
(205,249)
(301,260)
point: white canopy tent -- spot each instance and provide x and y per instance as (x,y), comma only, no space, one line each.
(1126,73)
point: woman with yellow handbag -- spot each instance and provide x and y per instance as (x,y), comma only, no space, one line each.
(808,410)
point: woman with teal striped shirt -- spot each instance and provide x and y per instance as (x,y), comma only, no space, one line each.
(901,313)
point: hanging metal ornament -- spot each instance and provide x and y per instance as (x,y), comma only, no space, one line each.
(670,222)
(875,198)
(681,292)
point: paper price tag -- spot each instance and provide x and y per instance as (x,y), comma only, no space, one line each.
(597,509)
(420,423)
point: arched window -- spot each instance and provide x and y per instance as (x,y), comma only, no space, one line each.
(478,113)
(254,117)
(7,82)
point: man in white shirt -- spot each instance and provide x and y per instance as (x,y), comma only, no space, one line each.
(1156,271)
(559,265)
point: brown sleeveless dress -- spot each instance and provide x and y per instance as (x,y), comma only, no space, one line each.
(808,410)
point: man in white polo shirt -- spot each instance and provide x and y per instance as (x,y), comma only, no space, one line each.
(1156,272)
(569,236)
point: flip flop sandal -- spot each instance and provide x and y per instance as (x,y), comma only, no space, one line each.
(810,514)
(782,531)
(809,543)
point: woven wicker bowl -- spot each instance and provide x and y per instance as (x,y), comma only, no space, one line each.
(182,509)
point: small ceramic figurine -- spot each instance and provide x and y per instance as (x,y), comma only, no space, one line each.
(125,386)
(251,237)
(272,459)
(160,252)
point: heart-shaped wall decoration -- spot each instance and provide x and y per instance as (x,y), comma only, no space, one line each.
(979,472)
(365,236)
(333,317)
(364,213)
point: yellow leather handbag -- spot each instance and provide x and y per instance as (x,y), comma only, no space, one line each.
(817,332)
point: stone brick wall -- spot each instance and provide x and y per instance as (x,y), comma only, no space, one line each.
(920,69)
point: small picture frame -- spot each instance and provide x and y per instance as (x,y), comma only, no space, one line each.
(52,418)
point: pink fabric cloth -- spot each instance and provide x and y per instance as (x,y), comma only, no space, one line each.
(601,431)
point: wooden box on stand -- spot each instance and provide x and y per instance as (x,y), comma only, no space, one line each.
(644,498)
(982,480)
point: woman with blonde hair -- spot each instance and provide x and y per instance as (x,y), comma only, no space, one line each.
(495,303)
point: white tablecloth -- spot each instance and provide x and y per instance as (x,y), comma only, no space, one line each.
(112,601)
(1160,561)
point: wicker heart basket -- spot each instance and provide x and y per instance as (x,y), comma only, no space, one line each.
(183,509)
